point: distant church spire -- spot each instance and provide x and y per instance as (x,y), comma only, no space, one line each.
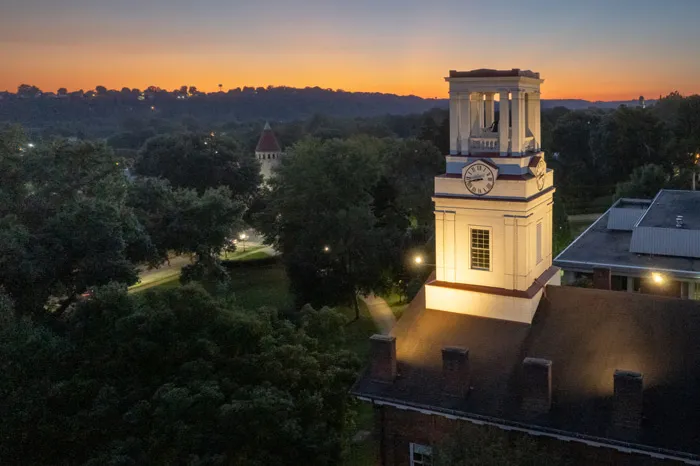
(268,141)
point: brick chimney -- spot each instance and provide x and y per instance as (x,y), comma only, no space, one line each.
(627,400)
(382,366)
(537,386)
(455,371)
(602,279)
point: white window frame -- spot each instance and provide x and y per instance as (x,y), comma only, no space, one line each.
(421,455)
(471,249)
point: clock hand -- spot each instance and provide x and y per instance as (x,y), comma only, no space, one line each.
(476,178)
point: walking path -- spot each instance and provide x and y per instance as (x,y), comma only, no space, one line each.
(381,313)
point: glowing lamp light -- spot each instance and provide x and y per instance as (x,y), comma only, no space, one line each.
(418,260)
(30,145)
(657,277)
(326,248)
(242,236)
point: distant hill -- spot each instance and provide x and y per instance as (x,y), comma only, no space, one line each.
(102,110)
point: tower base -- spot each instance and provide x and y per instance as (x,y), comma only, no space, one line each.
(494,303)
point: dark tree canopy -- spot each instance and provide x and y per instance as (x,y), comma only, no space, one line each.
(200,161)
(70,220)
(173,377)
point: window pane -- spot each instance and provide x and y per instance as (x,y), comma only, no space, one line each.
(480,249)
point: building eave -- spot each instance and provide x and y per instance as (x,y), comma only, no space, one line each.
(535,430)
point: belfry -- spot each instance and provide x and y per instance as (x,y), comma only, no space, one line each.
(493,207)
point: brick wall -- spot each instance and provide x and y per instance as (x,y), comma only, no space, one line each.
(397,429)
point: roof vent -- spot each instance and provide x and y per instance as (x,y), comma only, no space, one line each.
(679,221)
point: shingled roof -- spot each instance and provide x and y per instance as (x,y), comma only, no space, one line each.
(587,334)
(268,141)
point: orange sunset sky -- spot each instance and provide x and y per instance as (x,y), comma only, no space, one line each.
(596,50)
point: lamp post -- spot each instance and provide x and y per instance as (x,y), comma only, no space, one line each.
(243,237)
(419,261)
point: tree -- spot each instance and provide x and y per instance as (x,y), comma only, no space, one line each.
(62,91)
(181,220)
(579,170)
(626,139)
(320,216)
(488,446)
(174,377)
(63,224)
(200,161)
(27,90)
(101,90)
(561,234)
(644,182)
(411,166)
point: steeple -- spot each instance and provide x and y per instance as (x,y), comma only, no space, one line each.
(268,152)
(268,141)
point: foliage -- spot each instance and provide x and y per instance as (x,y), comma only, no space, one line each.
(320,217)
(488,446)
(198,162)
(63,226)
(182,221)
(411,166)
(70,221)
(174,377)
(561,234)
(644,182)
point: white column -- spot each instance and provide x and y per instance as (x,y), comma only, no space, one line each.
(488,110)
(691,290)
(503,115)
(464,122)
(454,122)
(630,284)
(536,108)
(439,245)
(477,113)
(518,123)
(449,246)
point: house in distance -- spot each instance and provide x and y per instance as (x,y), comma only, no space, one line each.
(493,341)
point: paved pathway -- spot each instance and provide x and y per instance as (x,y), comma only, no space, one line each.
(381,313)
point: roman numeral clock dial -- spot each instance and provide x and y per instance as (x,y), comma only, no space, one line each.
(479,178)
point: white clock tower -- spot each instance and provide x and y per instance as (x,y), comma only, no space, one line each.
(493,207)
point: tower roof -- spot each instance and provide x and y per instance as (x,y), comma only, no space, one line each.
(268,141)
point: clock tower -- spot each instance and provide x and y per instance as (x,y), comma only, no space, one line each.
(493,207)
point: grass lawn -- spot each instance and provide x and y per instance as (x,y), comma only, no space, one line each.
(396,303)
(578,226)
(240,252)
(170,280)
(256,287)
(254,256)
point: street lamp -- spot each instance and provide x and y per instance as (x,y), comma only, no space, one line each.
(418,260)
(326,249)
(243,237)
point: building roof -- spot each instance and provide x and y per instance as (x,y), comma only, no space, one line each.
(607,242)
(268,141)
(487,73)
(587,334)
(669,204)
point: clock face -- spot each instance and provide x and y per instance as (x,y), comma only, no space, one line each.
(540,171)
(479,178)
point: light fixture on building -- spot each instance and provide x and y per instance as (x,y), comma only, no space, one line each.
(657,277)
(418,260)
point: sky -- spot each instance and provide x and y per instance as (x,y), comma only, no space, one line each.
(590,49)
